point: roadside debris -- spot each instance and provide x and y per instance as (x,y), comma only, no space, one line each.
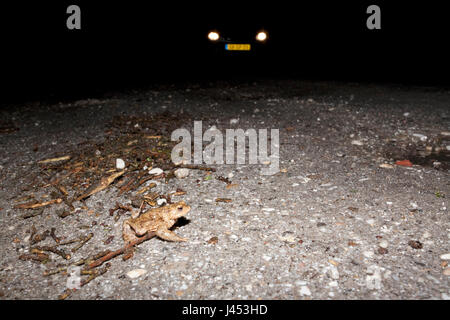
(404,163)
(64,158)
(120,164)
(415,244)
(34,205)
(181,173)
(101,185)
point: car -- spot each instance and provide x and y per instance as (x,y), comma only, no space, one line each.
(245,40)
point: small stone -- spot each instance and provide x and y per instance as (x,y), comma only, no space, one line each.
(386,166)
(333,284)
(266,257)
(437,164)
(182,173)
(155,171)
(446,272)
(368,254)
(120,164)
(136,273)
(382,250)
(160,202)
(234,121)
(357,143)
(415,244)
(445,256)
(406,114)
(420,136)
(404,163)
(287,236)
(213,240)
(304,291)
(383,244)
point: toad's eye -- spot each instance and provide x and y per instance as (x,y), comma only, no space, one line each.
(180,208)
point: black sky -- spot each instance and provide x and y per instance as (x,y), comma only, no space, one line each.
(131,43)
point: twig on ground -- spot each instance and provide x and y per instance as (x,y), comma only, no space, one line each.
(113,254)
(83,241)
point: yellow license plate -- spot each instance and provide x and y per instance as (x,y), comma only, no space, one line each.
(237,47)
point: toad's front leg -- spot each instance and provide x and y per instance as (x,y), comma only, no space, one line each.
(128,232)
(168,235)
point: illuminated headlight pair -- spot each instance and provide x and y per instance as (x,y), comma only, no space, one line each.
(214,36)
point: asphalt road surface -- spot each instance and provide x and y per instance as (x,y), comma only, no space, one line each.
(343,219)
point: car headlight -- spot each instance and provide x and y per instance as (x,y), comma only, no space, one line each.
(213,36)
(261,36)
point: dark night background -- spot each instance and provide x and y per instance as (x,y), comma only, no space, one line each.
(131,44)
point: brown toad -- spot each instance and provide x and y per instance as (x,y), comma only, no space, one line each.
(158,220)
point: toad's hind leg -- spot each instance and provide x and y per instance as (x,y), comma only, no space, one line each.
(128,232)
(168,235)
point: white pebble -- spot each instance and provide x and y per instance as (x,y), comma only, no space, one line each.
(234,121)
(384,244)
(445,256)
(155,171)
(357,143)
(120,164)
(304,291)
(160,202)
(333,284)
(136,273)
(181,173)
(420,136)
